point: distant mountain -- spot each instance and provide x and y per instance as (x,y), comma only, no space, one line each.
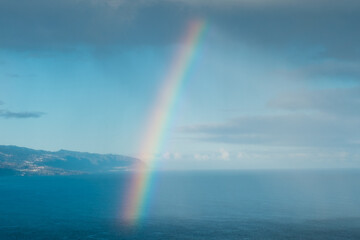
(25,161)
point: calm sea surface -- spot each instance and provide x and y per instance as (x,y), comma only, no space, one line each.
(186,205)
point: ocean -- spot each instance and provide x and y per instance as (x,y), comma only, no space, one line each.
(268,204)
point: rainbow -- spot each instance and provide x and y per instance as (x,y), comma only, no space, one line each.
(140,184)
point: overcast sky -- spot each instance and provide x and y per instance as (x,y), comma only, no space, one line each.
(275,84)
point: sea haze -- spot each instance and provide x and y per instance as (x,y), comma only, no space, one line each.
(286,204)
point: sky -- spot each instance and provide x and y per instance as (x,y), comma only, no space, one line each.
(275,83)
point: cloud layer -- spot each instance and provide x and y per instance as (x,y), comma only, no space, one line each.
(337,101)
(304,118)
(326,27)
(281,130)
(9,114)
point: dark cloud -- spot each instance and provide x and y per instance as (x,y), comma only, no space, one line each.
(64,23)
(13,75)
(16,75)
(9,114)
(299,130)
(327,27)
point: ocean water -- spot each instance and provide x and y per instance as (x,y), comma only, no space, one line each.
(307,204)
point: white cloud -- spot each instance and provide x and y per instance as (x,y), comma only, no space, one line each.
(171,156)
(224,155)
(240,155)
(176,155)
(166,155)
(201,157)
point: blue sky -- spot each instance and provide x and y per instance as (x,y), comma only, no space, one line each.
(275,83)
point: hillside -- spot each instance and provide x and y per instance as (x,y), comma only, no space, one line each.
(25,161)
